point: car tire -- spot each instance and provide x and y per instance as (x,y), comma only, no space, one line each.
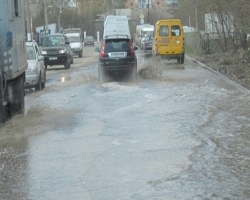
(80,54)
(133,74)
(38,86)
(67,65)
(45,66)
(101,76)
(182,58)
(44,80)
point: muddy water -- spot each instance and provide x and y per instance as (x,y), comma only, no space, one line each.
(176,134)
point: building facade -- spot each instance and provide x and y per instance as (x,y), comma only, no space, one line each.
(137,4)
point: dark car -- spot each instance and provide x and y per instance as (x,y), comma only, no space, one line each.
(56,50)
(89,40)
(117,55)
(147,44)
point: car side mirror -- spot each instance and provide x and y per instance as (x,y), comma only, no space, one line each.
(97,49)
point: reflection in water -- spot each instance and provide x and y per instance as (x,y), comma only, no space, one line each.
(62,79)
(13,170)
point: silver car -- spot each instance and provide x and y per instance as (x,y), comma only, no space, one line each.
(36,72)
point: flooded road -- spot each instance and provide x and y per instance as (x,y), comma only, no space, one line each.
(182,134)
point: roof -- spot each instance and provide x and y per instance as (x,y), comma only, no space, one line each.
(30,43)
(56,34)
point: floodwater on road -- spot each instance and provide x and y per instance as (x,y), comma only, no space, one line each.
(181,135)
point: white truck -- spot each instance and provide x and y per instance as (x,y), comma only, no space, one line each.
(146,32)
(74,36)
(116,25)
(13,61)
(141,31)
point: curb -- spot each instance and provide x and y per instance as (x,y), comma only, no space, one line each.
(240,87)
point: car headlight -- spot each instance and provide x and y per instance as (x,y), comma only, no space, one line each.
(44,52)
(62,51)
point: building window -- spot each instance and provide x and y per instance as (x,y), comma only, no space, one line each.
(158,3)
(16,8)
(131,4)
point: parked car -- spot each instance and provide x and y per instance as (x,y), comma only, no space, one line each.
(36,72)
(117,55)
(56,50)
(147,44)
(89,40)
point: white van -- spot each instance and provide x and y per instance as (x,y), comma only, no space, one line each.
(116,25)
(74,36)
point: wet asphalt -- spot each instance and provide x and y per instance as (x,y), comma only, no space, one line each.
(181,134)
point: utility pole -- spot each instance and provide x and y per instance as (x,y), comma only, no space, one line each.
(45,17)
(59,4)
(196,14)
(28,20)
(59,19)
(148,11)
(141,6)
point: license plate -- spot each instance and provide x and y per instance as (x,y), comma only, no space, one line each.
(117,55)
(53,58)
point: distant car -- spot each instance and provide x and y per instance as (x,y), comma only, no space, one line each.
(147,44)
(56,50)
(36,72)
(89,40)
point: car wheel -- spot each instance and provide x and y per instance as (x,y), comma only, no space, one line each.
(44,80)
(38,86)
(178,60)
(80,54)
(133,75)
(182,58)
(45,67)
(67,64)
(101,76)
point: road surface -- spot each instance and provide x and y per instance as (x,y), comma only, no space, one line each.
(180,134)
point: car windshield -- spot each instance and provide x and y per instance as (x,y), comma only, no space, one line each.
(116,45)
(30,53)
(89,38)
(53,41)
(74,39)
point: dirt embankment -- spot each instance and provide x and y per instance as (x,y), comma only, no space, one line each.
(235,66)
